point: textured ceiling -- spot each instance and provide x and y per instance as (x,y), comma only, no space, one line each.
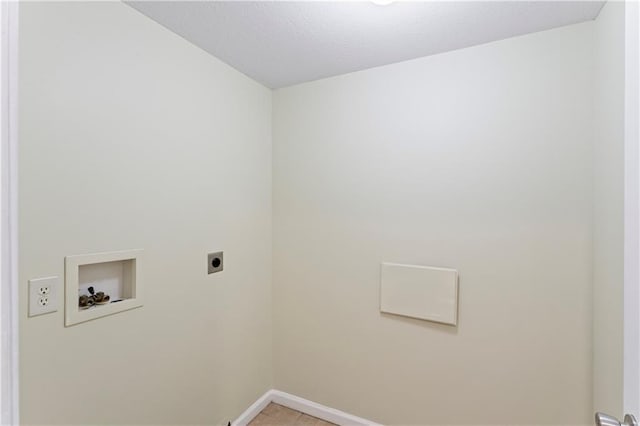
(284,43)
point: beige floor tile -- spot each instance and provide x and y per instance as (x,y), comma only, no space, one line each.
(263,420)
(283,415)
(278,415)
(273,409)
(306,420)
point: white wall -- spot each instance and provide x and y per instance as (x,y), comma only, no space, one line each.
(131,137)
(608,223)
(478,159)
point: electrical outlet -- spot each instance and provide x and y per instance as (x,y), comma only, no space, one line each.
(43,296)
(215,262)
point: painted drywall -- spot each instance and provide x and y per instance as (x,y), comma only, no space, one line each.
(479,160)
(608,219)
(131,137)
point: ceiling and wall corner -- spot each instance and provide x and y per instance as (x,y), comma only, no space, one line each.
(280,44)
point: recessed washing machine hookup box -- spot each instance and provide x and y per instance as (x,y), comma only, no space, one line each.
(101,284)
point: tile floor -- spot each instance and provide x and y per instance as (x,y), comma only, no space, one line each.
(277,415)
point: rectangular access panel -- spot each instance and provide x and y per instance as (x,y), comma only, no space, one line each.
(421,292)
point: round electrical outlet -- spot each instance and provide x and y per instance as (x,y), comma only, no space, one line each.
(215,262)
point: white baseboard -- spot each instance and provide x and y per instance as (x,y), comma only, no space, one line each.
(251,412)
(303,405)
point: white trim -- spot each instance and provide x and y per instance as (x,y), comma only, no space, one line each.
(255,409)
(9,395)
(631,366)
(318,410)
(303,405)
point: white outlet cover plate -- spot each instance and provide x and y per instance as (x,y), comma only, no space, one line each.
(43,295)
